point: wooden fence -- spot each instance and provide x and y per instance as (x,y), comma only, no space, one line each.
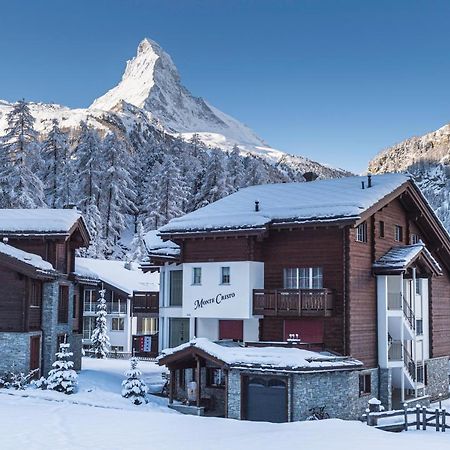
(419,417)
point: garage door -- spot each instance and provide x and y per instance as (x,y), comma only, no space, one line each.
(265,399)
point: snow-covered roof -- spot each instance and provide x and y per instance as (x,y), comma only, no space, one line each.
(28,258)
(41,220)
(399,258)
(157,247)
(321,200)
(286,358)
(117,275)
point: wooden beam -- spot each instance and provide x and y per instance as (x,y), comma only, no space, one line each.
(198,380)
(171,386)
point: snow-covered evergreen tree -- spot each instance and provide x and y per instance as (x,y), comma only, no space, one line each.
(236,169)
(168,192)
(20,187)
(99,338)
(137,246)
(133,387)
(56,171)
(62,377)
(88,168)
(215,183)
(118,194)
(93,220)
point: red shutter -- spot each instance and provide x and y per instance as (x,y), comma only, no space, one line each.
(309,330)
(231,329)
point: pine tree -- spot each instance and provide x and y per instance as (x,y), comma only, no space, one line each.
(118,195)
(168,192)
(133,387)
(215,183)
(56,172)
(87,155)
(93,220)
(137,246)
(62,377)
(20,187)
(236,169)
(100,338)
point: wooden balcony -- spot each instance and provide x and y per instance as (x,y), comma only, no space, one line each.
(146,303)
(293,302)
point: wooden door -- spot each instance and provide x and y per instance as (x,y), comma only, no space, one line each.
(35,355)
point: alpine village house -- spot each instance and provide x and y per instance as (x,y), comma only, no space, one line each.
(298,295)
(39,301)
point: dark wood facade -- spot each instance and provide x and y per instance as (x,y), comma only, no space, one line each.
(350,327)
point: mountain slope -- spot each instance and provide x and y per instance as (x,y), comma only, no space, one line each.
(427,158)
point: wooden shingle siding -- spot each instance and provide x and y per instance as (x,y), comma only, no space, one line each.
(439,316)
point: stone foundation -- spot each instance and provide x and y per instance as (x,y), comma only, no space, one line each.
(15,351)
(437,381)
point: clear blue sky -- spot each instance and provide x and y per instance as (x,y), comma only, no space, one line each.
(335,80)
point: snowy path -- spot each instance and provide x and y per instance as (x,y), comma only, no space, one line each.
(36,423)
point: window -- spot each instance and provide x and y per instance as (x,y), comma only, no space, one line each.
(117,348)
(419,327)
(303,278)
(215,377)
(196,275)
(398,233)
(118,305)
(420,374)
(88,327)
(176,288)
(414,239)
(365,381)
(381,224)
(361,232)
(149,325)
(63,304)
(224,275)
(89,300)
(117,324)
(418,286)
(36,294)
(61,339)
(178,331)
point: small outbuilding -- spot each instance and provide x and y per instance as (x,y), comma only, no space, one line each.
(274,384)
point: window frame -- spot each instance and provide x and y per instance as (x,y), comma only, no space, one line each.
(210,375)
(117,320)
(398,233)
(381,226)
(365,384)
(303,277)
(222,275)
(361,233)
(196,271)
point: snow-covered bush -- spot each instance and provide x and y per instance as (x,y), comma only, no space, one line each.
(40,384)
(133,387)
(100,338)
(62,377)
(16,380)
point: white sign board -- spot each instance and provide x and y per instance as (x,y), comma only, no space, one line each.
(212,299)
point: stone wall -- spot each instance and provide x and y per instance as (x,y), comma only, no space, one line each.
(385,387)
(52,329)
(15,351)
(437,377)
(338,391)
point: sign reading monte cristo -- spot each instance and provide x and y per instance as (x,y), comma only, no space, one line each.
(217,300)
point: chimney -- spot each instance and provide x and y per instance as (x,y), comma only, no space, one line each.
(369,180)
(362,184)
(256,205)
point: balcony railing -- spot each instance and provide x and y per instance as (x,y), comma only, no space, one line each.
(293,302)
(146,303)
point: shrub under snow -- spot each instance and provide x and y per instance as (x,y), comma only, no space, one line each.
(62,377)
(133,387)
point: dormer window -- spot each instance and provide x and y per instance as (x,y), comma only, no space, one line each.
(361,232)
(414,239)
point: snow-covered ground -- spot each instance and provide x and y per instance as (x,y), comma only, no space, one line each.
(35,419)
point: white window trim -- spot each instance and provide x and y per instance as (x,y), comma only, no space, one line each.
(310,277)
(193,276)
(221,275)
(118,319)
(362,226)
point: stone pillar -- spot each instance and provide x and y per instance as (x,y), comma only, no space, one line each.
(385,391)
(49,324)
